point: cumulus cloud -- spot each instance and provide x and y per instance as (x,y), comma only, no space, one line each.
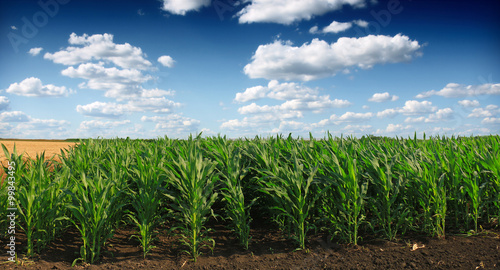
(282,60)
(181,7)
(14,116)
(491,120)
(35,51)
(103,109)
(97,124)
(155,104)
(176,123)
(455,90)
(166,61)
(259,123)
(115,110)
(347,117)
(297,100)
(289,11)
(415,119)
(33,87)
(99,47)
(43,124)
(118,83)
(394,128)
(337,27)
(412,107)
(382,97)
(4,103)
(469,103)
(440,115)
(488,111)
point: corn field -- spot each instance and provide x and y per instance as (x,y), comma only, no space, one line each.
(347,188)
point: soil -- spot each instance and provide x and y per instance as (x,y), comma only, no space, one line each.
(269,249)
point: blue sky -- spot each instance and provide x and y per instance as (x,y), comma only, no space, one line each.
(144,69)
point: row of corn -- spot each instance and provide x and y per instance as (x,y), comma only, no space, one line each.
(345,187)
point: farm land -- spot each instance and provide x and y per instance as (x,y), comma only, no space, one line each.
(259,203)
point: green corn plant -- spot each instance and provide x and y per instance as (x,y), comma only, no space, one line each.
(146,198)
(95,207)
(452,162)
(475,189)
(38,203)
(293,191)
(431,196)
(387,202)
(232,170)
(193,178)
(347,198)
(490,162)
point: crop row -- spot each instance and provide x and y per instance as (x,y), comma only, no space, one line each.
(341,186)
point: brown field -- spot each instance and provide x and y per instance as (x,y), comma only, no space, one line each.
(30,148)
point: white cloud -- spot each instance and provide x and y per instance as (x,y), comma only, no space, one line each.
(388,113)
(347,117)
(357,128)
(35,51)
(114,110)
(453,90)
(176,123)
(469,103)
(156,93)
(118,83)
(382,97)
(180,7)
(13,27)
(14,116)
(43,124)
(415,119)
(103,109)
(394,128)
(29,127)
(314,30)
(100,47)
(33,87)
(259,123)
(4,103)
(252,93)
(155,104)
(282,60)
(297,98)
(491,120)
(166,61)
(412,107)
(440,115)
(337,27)
(489,111)
(97,124)
(289,11)
(361,23)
